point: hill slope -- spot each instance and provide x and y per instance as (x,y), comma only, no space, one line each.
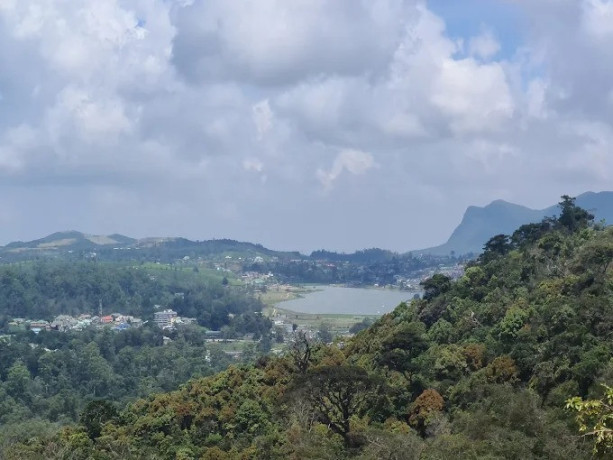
(121,247)
(480,368)
(70,240)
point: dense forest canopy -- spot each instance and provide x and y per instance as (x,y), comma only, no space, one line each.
(51,376)
(43,289)
(508,362)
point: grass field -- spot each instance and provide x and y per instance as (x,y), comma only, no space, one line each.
(337,324)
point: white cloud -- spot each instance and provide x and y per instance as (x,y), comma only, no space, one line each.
(475,97)
(96,119)
(598,18)
(211,108)
(484,46)
(352,161)
(15,142)
(268,41)
(262,117)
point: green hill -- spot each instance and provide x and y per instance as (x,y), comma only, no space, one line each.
(73,244)
(480,368)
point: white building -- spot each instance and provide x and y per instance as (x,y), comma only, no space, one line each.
(164,318)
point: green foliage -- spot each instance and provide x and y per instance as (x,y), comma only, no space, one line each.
(424,409)
(435,286)
(572,217)
(95,415)
(336,394)
(44,289)
(595,419)
(478,368)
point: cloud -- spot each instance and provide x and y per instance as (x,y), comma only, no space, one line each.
(483,46)
(475,97)
(598,18)
(226,118)
(352,161)
(262,117)
(253,164)
(273,42)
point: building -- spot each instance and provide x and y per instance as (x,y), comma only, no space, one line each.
(164,318)
(106,319)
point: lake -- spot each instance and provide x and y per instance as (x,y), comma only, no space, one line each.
(347,301)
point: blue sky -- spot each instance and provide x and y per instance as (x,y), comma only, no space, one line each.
(468,18)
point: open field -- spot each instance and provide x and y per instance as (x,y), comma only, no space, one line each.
(337,324)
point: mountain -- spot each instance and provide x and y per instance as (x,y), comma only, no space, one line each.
(477,226)
(71,240)
(480,223)
(120,247)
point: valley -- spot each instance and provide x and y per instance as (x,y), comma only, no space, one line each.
(211,357)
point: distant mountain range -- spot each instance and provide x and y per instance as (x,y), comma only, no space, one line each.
(117,247)
(479,224)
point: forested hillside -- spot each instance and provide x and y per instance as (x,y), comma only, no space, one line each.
(480,368)
(50,377)
(42,289)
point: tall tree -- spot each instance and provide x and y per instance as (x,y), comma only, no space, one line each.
(573,217)
(337,393)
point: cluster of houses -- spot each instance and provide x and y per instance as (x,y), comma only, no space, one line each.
(165,319)
(256,278)
(168,319)
(116,321)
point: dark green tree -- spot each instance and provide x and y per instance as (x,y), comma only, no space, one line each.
(95,415)
(435,285)
(337,393)
(573,217)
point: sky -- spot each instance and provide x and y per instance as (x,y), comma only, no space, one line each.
(303,124)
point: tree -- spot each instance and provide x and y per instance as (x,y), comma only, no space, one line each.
(364,324)
(18,379)
(436,285)
(573,217)
(337,393)
(301,352)
(530,233)
(496,246)
(598,254)
(95,415)
(324,333)
(265,344)
(595,419)
(400,348)
(425,407)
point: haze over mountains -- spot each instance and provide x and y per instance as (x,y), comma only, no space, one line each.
(477,226)
(117,247)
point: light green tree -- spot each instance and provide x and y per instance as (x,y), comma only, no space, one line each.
(595,419)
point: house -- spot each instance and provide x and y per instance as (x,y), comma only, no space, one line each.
(106,319)
(37,326)
(164,318)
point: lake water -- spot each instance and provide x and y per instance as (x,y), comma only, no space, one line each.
(348,301)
